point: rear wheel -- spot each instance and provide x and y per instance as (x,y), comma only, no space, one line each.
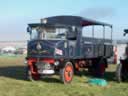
(100,68)
(66,73)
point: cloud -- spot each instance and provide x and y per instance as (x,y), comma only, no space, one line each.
(97,13)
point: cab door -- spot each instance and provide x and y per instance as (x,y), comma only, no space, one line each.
(72,42)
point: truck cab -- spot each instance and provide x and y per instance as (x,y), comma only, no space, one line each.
(48,41)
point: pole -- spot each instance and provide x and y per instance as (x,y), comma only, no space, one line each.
(104,32)
(111,32)
(93,31)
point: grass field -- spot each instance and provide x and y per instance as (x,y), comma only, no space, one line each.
(12,83)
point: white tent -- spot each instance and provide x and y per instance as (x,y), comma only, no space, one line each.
(9,48)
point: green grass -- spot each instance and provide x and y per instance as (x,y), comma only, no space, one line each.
(12,83)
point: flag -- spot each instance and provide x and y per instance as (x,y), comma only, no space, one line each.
(58,51)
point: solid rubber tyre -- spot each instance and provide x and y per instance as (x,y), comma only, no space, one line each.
(30,76)
(100,68)
(66,73)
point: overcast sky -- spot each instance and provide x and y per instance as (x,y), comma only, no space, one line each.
(16,14)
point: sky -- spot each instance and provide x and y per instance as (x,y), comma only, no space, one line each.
(16,14)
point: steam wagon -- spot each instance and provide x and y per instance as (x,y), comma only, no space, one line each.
(57,46)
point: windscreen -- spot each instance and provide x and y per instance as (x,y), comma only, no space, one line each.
(49,33)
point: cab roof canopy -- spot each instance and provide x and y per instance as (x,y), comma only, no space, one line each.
(68,21)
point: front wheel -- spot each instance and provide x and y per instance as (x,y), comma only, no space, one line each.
(30,76)
(66,73)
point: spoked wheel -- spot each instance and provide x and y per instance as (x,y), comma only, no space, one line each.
(30,76)
(66,73)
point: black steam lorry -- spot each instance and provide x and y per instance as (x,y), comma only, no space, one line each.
(57,46)
(122,67)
